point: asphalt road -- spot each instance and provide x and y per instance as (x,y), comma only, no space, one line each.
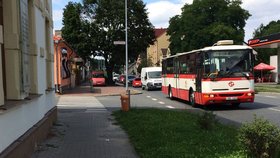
(266,105)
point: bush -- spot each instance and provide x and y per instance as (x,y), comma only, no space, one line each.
(207,120)
(260,138)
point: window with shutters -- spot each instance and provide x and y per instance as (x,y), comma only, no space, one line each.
(24,44)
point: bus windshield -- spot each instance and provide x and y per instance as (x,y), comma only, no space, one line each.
(227,63)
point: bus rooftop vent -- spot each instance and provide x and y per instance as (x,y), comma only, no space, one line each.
(224,42)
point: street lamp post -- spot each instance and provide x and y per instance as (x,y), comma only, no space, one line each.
(126,49)
(126,54)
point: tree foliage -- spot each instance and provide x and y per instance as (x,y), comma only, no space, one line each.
(260,138)
(204,22)
(271,28)
(101,22)
(75,30)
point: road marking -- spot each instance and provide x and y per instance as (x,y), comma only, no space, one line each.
(274,109)
(160,102)
(170,107)
(148,96)
(154,99)
(268,96)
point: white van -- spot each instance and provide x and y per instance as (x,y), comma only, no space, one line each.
(151,78)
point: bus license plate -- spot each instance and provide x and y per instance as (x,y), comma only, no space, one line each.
(231,98)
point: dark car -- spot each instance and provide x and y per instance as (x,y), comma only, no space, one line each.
(130,79)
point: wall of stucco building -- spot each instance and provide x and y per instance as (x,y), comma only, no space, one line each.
(154,52)
(64,77)
(29,93)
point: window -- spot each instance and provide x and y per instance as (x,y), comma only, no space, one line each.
(163,66)
(192,63)
(183,64)
(169,66)
(98,75)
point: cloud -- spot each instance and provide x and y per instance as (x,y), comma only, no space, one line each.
(262,12)
(58,6)
(160,12)
(57,15)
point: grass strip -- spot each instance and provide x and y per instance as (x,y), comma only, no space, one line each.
(167,133)
(267,88)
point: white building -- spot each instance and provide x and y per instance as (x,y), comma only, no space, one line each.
(274,62)
(27,100)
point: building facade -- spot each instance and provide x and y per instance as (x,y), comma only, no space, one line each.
(270,41)
(274,62)
(68,66)
(159,49)
(27,98)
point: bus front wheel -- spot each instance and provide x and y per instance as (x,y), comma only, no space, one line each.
(192,98)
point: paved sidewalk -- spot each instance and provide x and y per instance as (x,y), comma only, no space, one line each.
(85,129)
(86,89)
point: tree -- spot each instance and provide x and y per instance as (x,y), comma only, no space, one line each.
(271,28)
(145,62)
(107,19)
(204,22)
(75,29)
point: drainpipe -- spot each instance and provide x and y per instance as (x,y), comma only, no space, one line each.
(57,86)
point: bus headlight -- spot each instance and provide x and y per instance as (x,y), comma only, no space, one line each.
(209,95)
(249,94)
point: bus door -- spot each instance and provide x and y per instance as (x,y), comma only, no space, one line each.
(176,77)
(199,75)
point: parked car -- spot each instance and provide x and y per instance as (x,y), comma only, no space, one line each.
(115,77)
(137,82)
(130,79)
(97,78)
(121,79)
(151,78)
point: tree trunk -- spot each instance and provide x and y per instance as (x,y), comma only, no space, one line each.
(109,70)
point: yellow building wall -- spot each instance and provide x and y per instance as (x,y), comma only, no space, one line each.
(154,52)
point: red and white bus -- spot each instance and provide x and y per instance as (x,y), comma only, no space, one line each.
(220,74)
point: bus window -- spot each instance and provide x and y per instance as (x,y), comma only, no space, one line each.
(191,63)
(169,66)
(183,65)
(163,66)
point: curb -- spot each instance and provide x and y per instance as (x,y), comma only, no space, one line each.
(274,93)
(133,92)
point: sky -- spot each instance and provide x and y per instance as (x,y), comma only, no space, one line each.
(160,11)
